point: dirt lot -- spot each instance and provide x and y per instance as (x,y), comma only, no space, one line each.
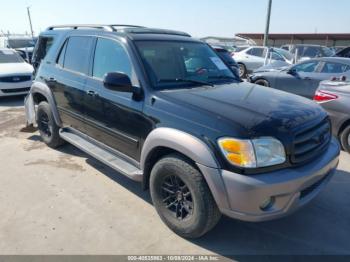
(65,202)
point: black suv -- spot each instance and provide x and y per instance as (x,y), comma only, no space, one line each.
(162,108)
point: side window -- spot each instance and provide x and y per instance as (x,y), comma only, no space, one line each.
(110,56)
(276,56)
(77,54)
(335,68)
(42,48)
(260,52)
(307,67)
(60,59)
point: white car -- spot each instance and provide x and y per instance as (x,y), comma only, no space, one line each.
(15,74)
(254,57)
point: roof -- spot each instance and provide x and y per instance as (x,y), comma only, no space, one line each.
(301,36)
(333,59)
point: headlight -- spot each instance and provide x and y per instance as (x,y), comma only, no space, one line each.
(260,152)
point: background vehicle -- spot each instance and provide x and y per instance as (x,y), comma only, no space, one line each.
(303,78)
(334,97)
(255,57)
(15,74)
(24,45)
(225,55)
(306,51)
(163,109)
(344,52)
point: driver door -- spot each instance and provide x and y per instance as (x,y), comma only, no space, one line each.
(301,79)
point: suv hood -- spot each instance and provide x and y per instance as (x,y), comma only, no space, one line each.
(253,107)
(15,69)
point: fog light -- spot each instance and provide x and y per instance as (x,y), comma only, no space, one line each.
(267,204)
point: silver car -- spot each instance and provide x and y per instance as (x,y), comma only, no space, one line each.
(255,57)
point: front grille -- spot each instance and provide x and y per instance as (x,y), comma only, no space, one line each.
(15,79)
(16,90)
(311,141)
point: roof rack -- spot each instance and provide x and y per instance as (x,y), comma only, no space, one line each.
(93,26)
(78,26)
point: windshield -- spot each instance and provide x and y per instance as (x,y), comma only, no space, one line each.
(9,56)
(175,64)
(21,43)
(284,53)
(328,52)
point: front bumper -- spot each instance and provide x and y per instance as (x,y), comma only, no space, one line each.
(14,89)
(240,196)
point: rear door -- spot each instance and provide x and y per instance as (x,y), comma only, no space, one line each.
(303,82)
(69,79)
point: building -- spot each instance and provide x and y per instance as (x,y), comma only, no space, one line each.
(278,40)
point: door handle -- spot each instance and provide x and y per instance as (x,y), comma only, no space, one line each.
(52,80)
(91,93)
(307,78)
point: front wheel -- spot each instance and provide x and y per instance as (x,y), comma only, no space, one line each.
(48,129)
(182,197)
(345,139)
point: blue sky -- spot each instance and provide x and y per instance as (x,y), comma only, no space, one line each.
(197,17)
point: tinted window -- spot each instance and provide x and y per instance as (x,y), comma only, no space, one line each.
(9,56)
(42,48)
(307,67)
(334,68)
(78,54)
(260,52)
(226,56)
(110,56)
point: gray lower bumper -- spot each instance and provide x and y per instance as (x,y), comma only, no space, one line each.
(241,196)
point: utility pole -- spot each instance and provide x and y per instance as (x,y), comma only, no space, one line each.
(267,28)
(30,21)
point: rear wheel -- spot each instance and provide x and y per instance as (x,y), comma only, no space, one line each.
(345,139)
(182,198)
(48,129)
(242,70)
(262,82)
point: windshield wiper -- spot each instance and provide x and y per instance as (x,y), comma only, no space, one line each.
(203,83)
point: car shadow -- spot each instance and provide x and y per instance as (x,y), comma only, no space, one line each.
(12,101)
(320,228)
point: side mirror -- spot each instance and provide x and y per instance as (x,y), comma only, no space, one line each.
(117,81)
(292,72)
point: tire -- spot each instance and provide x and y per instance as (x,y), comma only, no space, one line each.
(195,212)
(242,70)
(262,82)
(345,139)
(48,129)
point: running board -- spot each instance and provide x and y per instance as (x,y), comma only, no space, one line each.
(101,153)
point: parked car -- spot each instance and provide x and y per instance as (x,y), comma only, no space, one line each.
(203,141)
(15,74)
(303,78)
(24,45)
(303,52)
(334,97)
(255,57)
(344,52)
(225,55)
